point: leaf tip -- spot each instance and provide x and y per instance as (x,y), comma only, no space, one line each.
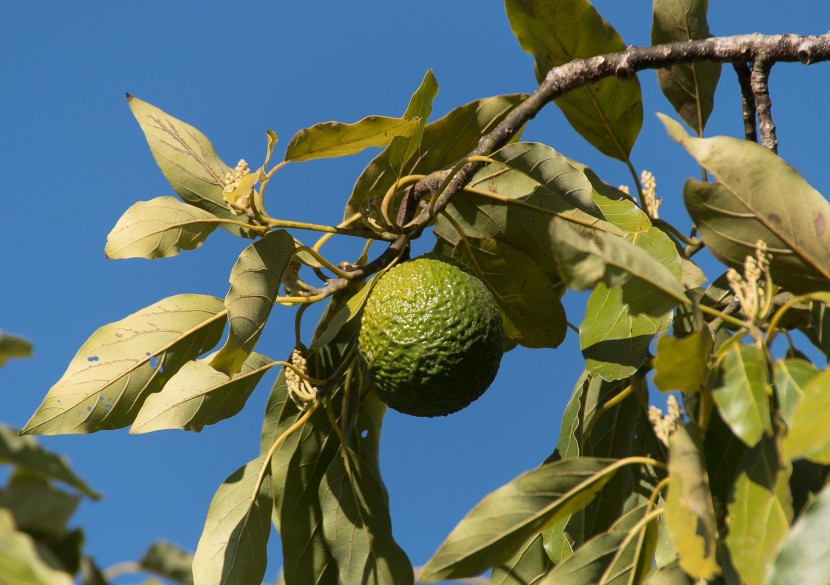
(130,96)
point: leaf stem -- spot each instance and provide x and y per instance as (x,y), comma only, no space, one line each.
(343,224)
(387,198)
(722,316)
(314,227)
(279,441)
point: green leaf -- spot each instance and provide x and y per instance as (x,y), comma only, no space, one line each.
(805,554)
(187,159)
(169,561)
(617,207)
(23,562)
(403,148)
(742,392)
(759,512)
(444,142)
(809,434)
(592,256)
(690,513)
(27,453)
(12,346)
(789,377)
(723,452)
(37,507)
(614,341)
(159,228)
(348,313)
(307,518)
(604,560)
(533,313)
(232,548)
(683,363)
(527,567)
(360,537)
(124,362)
(255,280)
(333,139)
(754,199)
(690,87)
(494,530)
(198,395)
(549,169)
(608,113)
(671,574)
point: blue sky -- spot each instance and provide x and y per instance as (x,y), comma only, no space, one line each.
(75,159)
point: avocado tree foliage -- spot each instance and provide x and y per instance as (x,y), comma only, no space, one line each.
(724,487)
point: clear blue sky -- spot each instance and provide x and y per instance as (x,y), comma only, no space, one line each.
(74,160)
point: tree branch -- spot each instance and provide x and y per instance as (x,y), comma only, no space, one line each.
(760,89)
(744,72)
(756,48)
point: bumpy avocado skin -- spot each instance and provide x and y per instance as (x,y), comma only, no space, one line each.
(431,337)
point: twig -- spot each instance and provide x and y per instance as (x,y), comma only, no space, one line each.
(760,88)
(744,72)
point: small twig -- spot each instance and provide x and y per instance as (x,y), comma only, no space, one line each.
(744,72)
(763,104)
(416,193)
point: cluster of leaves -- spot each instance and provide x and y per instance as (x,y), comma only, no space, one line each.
(37,545)
(628,496)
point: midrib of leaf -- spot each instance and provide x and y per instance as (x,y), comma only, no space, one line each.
(793,247)
(186,149)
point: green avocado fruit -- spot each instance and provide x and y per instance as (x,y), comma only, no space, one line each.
(431,337)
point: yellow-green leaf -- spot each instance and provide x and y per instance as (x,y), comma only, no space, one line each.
(683,363)
(809,434)
(690,513)
(159,228)
(124,362)
(333,139)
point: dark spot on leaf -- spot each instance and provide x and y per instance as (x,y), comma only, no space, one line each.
(775,218)
(820,223)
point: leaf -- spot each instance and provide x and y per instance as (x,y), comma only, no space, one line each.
(232,548)
(742,392)
(608,113)
(690,87)
(670,574)
(360,538)
(255,280)
(592,256)
(527,567)
(493,530)
(758,197)
(790,376)
(124,362)
(550,169)
(333,139)
(759,512)
(168,561)
(444,142)
(12,346)
(37,507)
(615,341)
(402,148)
(22,562)
(683,363)
(90,573)
(805,554)
(533,313)
(617,207)
(690,513)
(307,519)
(27,453)
(348,313)
(187,159)
(159,228)
(603,559)
(808,434)
(199,395)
